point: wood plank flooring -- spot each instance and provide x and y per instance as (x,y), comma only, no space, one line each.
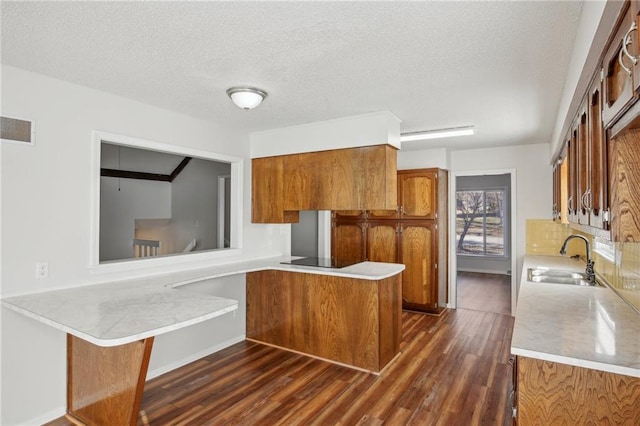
(484,292)
(453,370)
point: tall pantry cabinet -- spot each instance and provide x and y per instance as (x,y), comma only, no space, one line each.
(414,234)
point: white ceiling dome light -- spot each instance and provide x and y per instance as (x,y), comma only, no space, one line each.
(246,97)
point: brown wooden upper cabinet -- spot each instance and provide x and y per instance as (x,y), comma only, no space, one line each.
(583,181)
(572,178)
(624,184)
(620,65)
(343,179)
(417,194)
(596,196)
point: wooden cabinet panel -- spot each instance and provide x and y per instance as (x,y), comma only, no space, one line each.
(417,194)
(382,241)
(417,253)
(550,393)
(583,169)
(572,179)
(384,214)
(267,192)
(105,384)
(423,195)
(618,71)
(335,318)
(348,214)
(597,195)
(624,181)
(342,179)
(351,248)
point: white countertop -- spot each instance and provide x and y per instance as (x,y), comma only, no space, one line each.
(121,312)
(588,327)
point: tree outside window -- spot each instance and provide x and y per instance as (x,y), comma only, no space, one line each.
(480,222)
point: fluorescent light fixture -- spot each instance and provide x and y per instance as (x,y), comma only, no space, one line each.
(437,134)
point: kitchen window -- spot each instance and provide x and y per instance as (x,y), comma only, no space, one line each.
(480,222)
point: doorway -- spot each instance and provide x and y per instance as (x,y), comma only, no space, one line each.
(483,242)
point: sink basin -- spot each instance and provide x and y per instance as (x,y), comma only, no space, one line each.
(557,276)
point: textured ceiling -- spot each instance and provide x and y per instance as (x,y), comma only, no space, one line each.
(497,65)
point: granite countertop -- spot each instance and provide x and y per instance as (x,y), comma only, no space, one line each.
(589,327)
(122,312)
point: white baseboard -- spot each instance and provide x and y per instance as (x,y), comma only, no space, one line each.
(47,417)
(484,271)
(184,361)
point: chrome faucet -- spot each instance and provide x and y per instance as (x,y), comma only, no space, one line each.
(591,276)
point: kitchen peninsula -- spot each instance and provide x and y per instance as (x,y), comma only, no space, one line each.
(113,325)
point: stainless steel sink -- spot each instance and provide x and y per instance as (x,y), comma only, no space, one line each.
(557,276)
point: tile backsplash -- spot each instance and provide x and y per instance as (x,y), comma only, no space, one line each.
(617,263)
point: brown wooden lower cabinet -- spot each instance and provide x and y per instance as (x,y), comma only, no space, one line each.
(550,393)
(350,321)
(418,254)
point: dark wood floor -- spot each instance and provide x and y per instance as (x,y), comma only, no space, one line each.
(484,292)
(453,370)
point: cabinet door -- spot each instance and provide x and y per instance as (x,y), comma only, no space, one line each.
(597,196)
(618,71)
(583,158)
(624,191)
(267,197)
(341,179)
(418,194)
(572,179)
(348,242)
(384,214)
(418,253)
(382,241)
(634,34)
(555,215)
(348,214)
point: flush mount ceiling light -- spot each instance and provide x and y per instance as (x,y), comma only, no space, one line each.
(437,134)
(246,97)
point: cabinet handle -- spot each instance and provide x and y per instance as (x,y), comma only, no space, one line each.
(620,61)
(570,204)
(626,40)
(588,200)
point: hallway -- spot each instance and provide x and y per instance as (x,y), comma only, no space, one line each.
(484,292)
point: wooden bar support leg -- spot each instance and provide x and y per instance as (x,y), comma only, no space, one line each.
(105,384)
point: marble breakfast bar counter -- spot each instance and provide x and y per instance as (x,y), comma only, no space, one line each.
(590,327)
(113,325)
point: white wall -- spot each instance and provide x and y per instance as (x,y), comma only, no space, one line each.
(46,215)
(194,202)
(533,189)
(423,159)
(377,128)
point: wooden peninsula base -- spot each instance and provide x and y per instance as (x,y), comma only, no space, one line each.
(350,321)
(105,384)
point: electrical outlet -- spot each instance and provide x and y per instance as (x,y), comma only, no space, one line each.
(42,270)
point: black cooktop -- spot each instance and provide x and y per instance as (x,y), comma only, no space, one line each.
(320,262)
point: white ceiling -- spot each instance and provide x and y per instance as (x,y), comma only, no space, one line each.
(497,65)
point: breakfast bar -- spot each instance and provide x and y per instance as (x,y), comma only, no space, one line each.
(110,327)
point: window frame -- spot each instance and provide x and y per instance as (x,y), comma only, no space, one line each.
(505,217)
(177,259)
